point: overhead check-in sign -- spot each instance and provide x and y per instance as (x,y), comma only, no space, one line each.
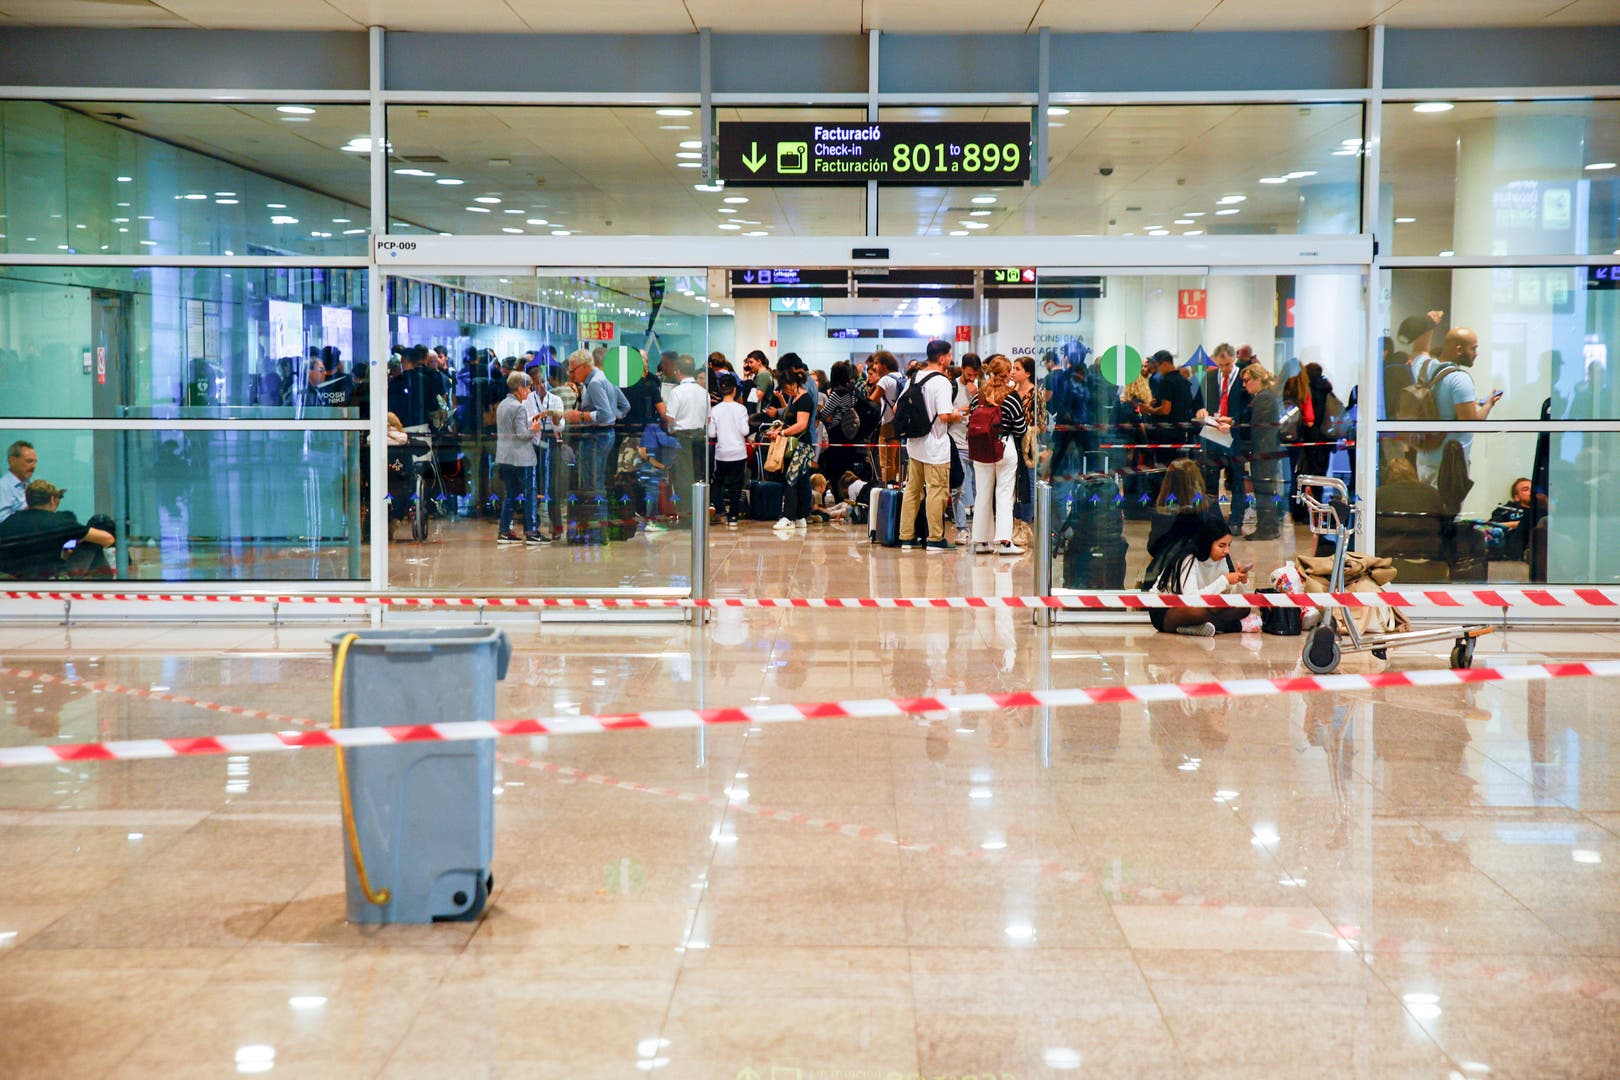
(851,152)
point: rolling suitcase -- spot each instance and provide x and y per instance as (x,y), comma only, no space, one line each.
(1095,566)
(884,521)
(764,500)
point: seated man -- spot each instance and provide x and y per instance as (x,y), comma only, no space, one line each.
(31,540)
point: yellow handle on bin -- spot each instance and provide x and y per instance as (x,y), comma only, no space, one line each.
(377,896)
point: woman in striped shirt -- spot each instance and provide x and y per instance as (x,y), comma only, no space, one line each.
(995,481)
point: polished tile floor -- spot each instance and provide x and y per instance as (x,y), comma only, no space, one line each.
(1396,883)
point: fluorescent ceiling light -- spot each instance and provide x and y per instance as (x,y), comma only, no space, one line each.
(672,112)
(1405,220)
(984,200)
(692,144)
(1433,107)
(561,232)
(727,225)
(689,164)
(1057,110)
(1228,200)
(958,232)
(756,232)
(689,155)
(736,200)
(413,172)
(126,179)
(1226,213)
(509,229)
(1301,174)
(712,188)
(536,221)
(1273,180)
(488,200)
(296,110)
(477,209)
(449,181)
(1599,166)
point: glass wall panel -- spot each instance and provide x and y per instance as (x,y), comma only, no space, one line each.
(182,343)
(1129,366)
(190,505)
(161,178)
(1155,170)
(633,170)
(610,491)
(1530,507)
(1542,335)
(1501,177)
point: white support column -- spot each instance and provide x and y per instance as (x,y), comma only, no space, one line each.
(1372,372)
(873,49)
(377,315)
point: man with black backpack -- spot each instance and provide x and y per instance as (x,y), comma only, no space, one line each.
(922,417)
(1443,389)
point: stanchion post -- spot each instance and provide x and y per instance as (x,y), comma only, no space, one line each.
(1043,549)
(700,547)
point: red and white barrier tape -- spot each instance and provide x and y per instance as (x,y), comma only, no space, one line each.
(1080,601)
(671,719)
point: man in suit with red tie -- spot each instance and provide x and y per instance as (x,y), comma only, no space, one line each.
(1227,402)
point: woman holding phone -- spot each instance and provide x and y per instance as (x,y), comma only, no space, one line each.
(1205,570)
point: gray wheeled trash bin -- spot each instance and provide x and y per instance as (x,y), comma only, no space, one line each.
(424,813)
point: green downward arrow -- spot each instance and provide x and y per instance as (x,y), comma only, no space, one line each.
(756,160)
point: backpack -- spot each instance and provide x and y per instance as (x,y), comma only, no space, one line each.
(867,416)
(842,422)
(911,418)
(1417,402)
(984,434)
(1071,400)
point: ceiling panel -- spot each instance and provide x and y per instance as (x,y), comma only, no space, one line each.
(1587,13)
(947,16)
(752,17)
(1100,16)
(1478,13)
(466,16)
(120,13)
(1255,15)
(606,16)
(257,15)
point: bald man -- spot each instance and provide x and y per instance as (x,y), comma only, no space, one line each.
(1454,395)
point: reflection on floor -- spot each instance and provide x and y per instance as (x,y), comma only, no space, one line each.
(1413,882)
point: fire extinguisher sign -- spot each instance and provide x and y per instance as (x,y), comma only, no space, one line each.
(1192,304)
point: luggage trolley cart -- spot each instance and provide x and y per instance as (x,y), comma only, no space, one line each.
(1323,496)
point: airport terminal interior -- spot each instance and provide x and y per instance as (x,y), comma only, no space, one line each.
(399,368)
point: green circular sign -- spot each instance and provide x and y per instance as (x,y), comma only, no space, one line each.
(1120,365)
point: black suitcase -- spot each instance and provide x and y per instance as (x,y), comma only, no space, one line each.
(764,500)
(1099,566)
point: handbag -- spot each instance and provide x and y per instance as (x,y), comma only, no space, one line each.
(777,455)
(798,462)
(1288,424)
(1281,621)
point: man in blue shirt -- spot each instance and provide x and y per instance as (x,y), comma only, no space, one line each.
(20,462)
(594,422)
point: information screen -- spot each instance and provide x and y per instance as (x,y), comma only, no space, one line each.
(846,152)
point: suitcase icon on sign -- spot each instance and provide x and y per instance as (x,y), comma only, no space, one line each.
(792,157)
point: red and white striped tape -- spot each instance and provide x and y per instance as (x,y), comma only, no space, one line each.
(671,719)
(1079,600)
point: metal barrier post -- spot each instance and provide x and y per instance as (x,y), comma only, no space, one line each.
(1043,548)
(700,547)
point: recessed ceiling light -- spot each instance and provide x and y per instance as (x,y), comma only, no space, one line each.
(1228,200)
(478,210)
(672,112)
(220,202)
(536,221)
(1349,142)
(980,213)
(958,232)
(1193,232)
(756,232)
(413,172)
(1301,174)
(353,232)
(1347,152)
(1195,213)
(449,181)
(1447,254)
(1433,107)
(509,229)
(984,200)
(1158,232)
(674,127)
(126,179)
(224,194)
(194,196)
(296,110)
(727,225)
(1273,180)
(561,232)
(282,219)
(145,243)
(1225,213)
(692,144)
(1599,166)
(708,187)
(1183,221)
(689,155)
(973,225)
(1405,220)
(725,209)
(295,119)
(340,221)
(689,164)
(488,200)
(1057,110)
(271,206)
(735,200)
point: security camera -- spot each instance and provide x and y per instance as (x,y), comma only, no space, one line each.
(1105,170)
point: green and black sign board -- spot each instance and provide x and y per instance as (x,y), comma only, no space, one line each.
(849,152)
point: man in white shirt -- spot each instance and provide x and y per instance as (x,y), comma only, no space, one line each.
(20,462)
(967,388)
(728,423)
(928,477)
(688,410)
